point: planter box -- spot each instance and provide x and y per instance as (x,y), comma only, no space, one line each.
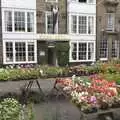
(110,114)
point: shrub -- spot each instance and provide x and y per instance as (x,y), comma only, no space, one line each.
(10,109)
(62,53)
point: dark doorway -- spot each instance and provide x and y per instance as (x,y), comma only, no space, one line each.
(51,56)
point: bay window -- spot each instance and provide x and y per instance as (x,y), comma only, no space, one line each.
(86,24)
(20,52)
(17,21)
(82,51)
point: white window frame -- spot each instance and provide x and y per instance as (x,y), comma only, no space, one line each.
(14,52)
(101,48)
(71,25)
(9,52)
(115,48)
(24,21)
(92,24)
(47,13)
(13,22)
(77,28)
(112,26)
(86,60)
(33,19)
(5,21)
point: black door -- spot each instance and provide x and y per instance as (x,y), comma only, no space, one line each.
(51,56)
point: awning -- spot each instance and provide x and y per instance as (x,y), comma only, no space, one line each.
(53,37)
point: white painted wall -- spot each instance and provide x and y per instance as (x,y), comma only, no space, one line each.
(29,4)
(19,36)
(76,7)
(22,6)
(85,9)
(21,10)
(83,37)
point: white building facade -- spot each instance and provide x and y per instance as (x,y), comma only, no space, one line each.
(19,31)
(82,30)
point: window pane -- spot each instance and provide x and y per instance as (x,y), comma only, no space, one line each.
(49,23)
(91,1)
(110,21)
(19,21)
(74,24)
(30,22)
(115,48)
(20,51)
(82,51)
(8,21)
(31,51)
(74,51)
(103,48)
(91,25)
(82,25)
(9,51)
(84,1)
(90,51)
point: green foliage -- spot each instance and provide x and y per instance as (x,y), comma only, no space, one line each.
(49,71)
(30,112)
(62,53)
(10,109)
(111,77)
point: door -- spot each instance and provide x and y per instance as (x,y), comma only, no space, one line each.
(51,56)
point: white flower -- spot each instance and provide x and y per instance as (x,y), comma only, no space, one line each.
(41,71)
(73,77)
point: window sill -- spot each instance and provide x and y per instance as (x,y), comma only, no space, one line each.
(81,60)
(103,59)
(24,62)
(18,32)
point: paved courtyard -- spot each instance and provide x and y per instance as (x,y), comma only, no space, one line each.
(55,109)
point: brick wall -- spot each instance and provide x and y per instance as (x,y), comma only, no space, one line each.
(43,6)
(101,27)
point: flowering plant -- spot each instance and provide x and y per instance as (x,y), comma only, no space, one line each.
(90,94)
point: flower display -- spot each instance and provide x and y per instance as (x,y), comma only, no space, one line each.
(90,94)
